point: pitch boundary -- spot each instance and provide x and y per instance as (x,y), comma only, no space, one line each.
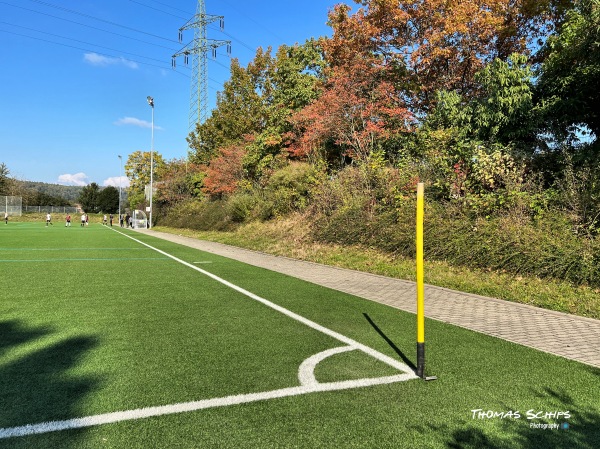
(306,377)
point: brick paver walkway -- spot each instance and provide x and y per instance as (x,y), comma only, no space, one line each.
(569,336)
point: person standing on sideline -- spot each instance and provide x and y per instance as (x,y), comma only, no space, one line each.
(68,221)
(48,219)
(6,217)
(110,217)
(104,220)
(83,219)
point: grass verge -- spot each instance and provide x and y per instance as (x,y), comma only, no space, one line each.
(290,237)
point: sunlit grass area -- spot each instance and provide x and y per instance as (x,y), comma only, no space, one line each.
(95,322)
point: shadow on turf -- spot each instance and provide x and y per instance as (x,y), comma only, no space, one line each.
(38,386)
(396,349)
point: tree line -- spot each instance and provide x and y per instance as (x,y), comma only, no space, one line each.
(492,104)
(471,95)
(92,198)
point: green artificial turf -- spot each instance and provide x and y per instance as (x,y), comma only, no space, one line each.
(93,322)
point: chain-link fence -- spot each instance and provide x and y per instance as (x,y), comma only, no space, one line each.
(11,204)
(52,209)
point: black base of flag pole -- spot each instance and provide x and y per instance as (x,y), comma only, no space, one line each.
(421,363)
(420,359)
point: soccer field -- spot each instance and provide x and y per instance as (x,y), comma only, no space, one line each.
(112,338)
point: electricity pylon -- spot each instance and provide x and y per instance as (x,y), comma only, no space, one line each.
(198,49)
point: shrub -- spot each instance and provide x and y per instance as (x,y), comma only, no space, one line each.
(201,215)
(513,240)
(290,188)
(240,206)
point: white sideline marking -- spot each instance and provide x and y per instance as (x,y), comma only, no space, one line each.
(348,341)
(309,383)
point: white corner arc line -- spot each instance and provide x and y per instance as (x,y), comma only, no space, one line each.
(306,372)
(348,341)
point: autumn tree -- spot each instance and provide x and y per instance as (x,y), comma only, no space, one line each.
(224,172)
(357,108)
(441,45)
(180,180)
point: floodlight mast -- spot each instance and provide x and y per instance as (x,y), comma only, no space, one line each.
(151,103)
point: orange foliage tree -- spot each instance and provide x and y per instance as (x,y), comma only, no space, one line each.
(225,171)
(440,44)
(358,107)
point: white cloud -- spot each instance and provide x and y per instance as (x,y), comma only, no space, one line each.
(114,181)
(78,179)
(103,61)
(135,122)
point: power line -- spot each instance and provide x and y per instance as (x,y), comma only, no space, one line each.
(99,19)
(159,10)
(87,50)
(262,27)
(87,26)
(233,38)
(79,41)
(173,7)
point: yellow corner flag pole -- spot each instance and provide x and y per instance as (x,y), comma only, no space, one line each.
(421,286)
(420,283)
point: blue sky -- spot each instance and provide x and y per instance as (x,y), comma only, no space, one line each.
(75,74)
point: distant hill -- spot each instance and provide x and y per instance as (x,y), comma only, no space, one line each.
(68,193)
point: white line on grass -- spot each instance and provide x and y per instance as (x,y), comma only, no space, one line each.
(309,383)
(376,354)
(83,259)
(114,417)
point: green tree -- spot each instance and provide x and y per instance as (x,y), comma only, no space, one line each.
(4,179)
(292,80)
(108,200)
(255,107)
(504,111)
(239,111)
(89,198)
(137,169)
(570,75)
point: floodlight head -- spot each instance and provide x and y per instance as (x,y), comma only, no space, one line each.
(150,101)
